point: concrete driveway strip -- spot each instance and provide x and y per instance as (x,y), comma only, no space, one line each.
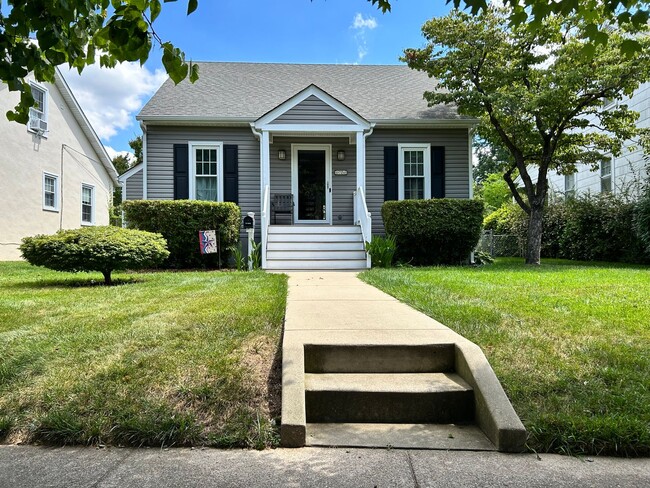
(28,466)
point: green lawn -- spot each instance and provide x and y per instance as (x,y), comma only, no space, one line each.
(187,358)
(569,341)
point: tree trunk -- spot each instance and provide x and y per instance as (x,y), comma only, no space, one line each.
(107,278)
(534,247)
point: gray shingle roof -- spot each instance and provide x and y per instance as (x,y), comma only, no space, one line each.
(249,90)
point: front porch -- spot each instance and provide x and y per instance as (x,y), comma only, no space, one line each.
(312,154)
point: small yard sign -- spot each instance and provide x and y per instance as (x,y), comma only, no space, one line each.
(208,241)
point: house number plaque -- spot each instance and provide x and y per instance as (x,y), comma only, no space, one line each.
(341,172)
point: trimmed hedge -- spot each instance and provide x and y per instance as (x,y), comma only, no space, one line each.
(105,249)
(642,219)
(438,231)
(587,228)
(179,221)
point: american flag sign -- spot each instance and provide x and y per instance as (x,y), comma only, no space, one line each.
(208,241)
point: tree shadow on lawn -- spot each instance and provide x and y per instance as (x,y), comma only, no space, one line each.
(73,283)
(549,266)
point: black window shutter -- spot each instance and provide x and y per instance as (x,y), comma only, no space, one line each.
(181,172)
(438,172)
(390,173)
(231,174)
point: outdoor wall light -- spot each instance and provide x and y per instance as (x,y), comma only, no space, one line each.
(340,155)
(282,154)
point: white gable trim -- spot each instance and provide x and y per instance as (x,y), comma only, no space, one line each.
(359,123)
(127,174)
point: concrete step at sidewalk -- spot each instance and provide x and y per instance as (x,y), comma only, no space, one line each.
(400,436)
(388,397)
(399,358)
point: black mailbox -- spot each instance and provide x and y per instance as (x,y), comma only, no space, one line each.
(249,223)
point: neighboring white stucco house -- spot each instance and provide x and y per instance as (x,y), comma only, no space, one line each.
(54,172)
(623,174)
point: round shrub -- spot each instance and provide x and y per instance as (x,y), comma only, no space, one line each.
(179,221)
(438,231)
(104,249)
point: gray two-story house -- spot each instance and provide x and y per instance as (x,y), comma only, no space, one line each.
(313,150)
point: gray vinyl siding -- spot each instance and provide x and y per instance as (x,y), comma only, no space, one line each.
(312,110)
(457,162)
(160,161)
(160,142)
(133,187)
(342,186)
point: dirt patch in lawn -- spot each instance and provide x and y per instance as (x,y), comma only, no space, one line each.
(262,357)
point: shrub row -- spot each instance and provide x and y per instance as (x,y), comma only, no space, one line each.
(602,227)
(438,231)
(179,221)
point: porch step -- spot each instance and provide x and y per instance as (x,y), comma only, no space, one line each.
(399,436)
(439,398)
(297,264)
(303,247)
(313,229)
(318,254)
(275,245)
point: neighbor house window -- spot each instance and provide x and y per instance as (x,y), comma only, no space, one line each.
(87,204)
(569,186)
(50,192)
(38,113)
(206,180)
(606,176)
(414,171)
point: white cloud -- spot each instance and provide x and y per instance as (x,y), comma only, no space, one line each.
(361,25)
(111,97)
(112,153)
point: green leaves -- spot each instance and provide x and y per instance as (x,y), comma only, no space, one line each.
(76,32)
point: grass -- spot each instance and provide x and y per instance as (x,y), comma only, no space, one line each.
(569,341)
(185,358)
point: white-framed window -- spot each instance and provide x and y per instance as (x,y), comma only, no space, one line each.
(50,192)
(38,113)
(606,176)
(569,186)
(414,171)
(87,204)
(206,170)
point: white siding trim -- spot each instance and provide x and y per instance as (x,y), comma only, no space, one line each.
(419,146)
(299,97)
(144,162)
(192,145)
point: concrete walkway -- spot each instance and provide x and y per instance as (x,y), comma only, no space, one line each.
(68,467)
(337,310)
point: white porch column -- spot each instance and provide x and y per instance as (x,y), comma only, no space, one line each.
(361,161)
(265,156)
(265,180)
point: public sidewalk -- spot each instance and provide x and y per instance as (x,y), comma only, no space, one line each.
(70,467)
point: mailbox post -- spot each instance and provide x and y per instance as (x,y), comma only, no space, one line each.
(249,225)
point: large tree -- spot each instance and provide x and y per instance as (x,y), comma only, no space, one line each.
(629,14)
(38,35)
(535,93)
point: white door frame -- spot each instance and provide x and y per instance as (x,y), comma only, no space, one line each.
(328,180)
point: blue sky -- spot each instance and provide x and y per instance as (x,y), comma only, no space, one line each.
(298,31)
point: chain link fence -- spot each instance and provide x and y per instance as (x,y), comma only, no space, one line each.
(501,245)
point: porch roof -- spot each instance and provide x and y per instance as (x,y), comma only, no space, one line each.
(243,92)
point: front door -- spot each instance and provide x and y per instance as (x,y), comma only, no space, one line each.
(311,184)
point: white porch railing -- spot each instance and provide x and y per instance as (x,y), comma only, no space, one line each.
(362,217)
(266,206)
